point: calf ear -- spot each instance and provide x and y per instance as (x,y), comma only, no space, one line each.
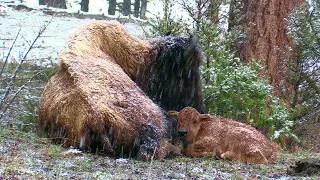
(173,114)
(205,117)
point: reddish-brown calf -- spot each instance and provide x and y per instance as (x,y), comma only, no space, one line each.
(205,134)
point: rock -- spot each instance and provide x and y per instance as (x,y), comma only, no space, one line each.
(307,166)
(22,7)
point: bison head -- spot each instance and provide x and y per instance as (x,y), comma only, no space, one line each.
(172,77)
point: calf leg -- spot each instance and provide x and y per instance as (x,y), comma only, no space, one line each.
(200,151)
(256,157)
(253,157)
(202,154)
(229,155)
(166,149)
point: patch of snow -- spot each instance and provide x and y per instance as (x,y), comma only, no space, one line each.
(32,3)
(121,160)
(98,6)
(3,10)
(52,40)
(72,151)
(101,6)
(197,170)
(179,176)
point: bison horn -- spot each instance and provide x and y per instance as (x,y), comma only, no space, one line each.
(191,49)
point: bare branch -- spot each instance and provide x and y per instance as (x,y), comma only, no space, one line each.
(7,57)
(13,78)
(26,40)
(3,111)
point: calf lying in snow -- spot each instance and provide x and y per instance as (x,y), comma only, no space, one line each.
(205,134)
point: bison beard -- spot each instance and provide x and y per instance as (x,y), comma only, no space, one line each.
(172,77)
(93,103)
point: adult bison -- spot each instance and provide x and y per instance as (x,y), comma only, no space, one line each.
(93,101)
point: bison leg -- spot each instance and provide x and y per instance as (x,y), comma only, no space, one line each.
(150,139)
(153,145)
(107,148)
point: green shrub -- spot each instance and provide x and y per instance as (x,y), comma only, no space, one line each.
(236,91)
(169,23)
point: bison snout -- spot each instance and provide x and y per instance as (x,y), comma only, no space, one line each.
(182,132)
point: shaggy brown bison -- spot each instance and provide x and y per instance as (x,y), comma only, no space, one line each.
(227,138)
(93,103)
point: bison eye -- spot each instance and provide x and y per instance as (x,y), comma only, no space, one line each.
(194,122)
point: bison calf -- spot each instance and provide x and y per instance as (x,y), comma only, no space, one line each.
(204,134)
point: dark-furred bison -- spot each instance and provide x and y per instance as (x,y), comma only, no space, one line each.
(172,77)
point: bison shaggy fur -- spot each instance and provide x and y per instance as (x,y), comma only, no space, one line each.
(171,77)
(93,103)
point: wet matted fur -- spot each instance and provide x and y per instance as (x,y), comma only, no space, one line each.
(93,103)
(171,77)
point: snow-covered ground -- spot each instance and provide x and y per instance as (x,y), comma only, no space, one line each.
(100,6)
(53,39)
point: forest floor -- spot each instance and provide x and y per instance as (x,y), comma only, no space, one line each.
(27,156)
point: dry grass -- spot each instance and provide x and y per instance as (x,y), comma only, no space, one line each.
(26,156)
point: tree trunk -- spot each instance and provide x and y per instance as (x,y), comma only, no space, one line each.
(54,3)
(143,9)
(84,5)
(112,7)
(136,8)
(266,38)
(126,8)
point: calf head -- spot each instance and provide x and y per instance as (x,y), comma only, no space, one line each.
(189,123)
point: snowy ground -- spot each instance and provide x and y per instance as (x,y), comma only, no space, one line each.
(53,39)
(26,156)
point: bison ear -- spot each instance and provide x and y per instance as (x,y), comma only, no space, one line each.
(192,47)
(204,117)
(173,114)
